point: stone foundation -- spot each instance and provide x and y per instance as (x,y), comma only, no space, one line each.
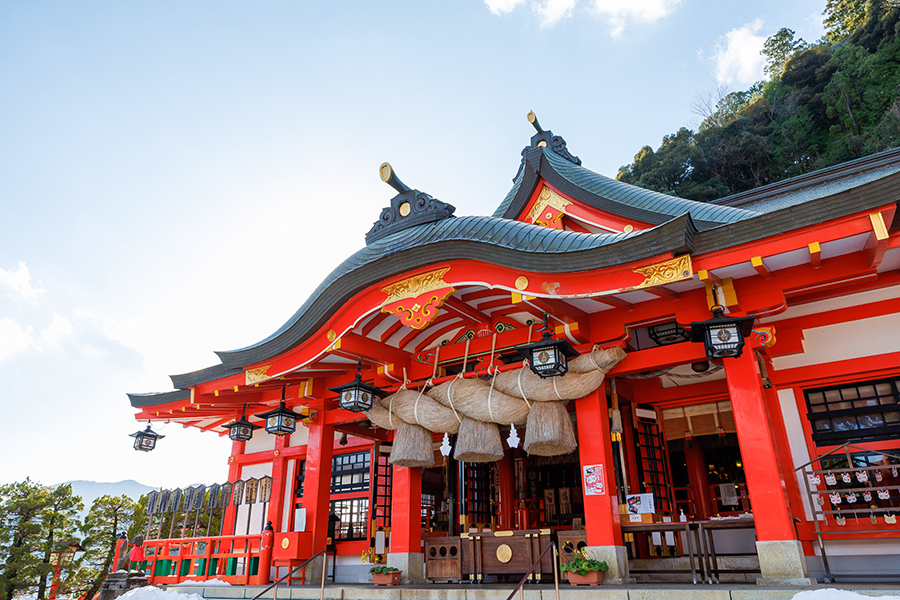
(617,559)
(782,563)
(411,563)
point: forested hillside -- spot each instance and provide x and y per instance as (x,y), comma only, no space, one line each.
(824,103)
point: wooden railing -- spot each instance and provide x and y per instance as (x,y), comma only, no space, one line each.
(231,558)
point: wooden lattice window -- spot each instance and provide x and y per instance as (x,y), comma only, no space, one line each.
(354,514)
(865,411)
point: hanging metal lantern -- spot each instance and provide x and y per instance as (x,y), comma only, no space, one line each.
(242,429)
(357,396)
(668,333)
(722,336)
(145,441)
(282,420)
(548,357)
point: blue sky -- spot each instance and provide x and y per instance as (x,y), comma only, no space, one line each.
(177,177)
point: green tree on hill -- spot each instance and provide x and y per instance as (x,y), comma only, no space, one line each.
(823,104)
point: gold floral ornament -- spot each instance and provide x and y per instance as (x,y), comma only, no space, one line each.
(670,271)
(416,300)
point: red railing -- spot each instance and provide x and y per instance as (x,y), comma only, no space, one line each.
(231,558)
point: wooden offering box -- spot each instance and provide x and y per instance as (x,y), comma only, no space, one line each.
(476,554)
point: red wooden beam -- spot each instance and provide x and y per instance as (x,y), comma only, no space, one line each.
(466,311)
(436,334)
(390,331)
(708,277)
(371,350)
(760,265)
(375,434)
(568,314)
(877,242)
(815,255)
(374,322)
(660,292)
(611,300)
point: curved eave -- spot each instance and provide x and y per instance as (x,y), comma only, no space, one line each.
(625,200)
(881,192)
(511,244)
(145,400)
(881,161)
(186,380)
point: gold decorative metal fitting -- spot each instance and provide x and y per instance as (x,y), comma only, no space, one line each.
(386,171)
(285,542)
(548,198)
(521,282)
(254,376)
(628,228)
(416,285)
(331,335)
(405,209)
(676,269)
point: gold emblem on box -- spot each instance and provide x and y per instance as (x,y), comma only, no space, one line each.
(504,553)
(285,542)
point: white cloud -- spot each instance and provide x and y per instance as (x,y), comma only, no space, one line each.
(551,12)
(502,7)
(59,328)
(738,61)
(13,338)
(618,12)
(19,282)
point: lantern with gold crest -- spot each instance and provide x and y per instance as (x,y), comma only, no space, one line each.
(548,357)
(357,396)
(282,420)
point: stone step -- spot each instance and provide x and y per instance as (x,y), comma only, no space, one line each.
(673,591)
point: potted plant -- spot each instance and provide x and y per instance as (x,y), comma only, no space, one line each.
(584,569)
(385,575)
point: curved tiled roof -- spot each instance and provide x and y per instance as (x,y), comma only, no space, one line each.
(500,241)
(679,226)
(615,196)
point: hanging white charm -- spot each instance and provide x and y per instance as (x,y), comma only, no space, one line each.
(513,439)
(445,445)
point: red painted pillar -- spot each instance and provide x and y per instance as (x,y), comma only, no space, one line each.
(698,476)
(317,486)
(601,511)
(234,473)
(506,473)
(276,505)
(406,510)
(770,510)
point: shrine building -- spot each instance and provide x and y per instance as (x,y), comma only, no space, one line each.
(594,364)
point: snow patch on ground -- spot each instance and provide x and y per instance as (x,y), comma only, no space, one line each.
(154,593)
(834,594)
(209,583)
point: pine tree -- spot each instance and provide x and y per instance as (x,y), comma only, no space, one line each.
(108,517)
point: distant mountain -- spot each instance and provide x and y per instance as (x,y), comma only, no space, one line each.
(91,490)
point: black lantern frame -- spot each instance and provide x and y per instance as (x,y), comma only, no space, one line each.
(145,441)
(282,420)
(242,429)
(357,396)
(722,336)
(668,333)
(548,357)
